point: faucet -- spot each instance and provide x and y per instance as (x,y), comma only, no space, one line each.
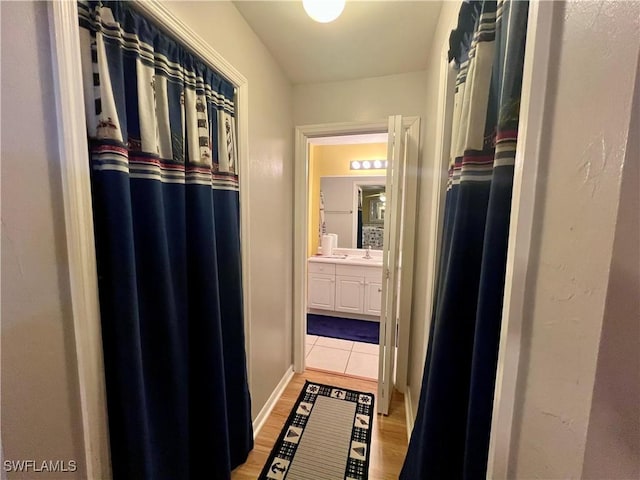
(368,254)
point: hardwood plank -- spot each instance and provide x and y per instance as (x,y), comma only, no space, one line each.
(388,443)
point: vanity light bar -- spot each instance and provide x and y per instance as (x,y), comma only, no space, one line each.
(368,164)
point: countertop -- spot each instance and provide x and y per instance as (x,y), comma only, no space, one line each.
(374,261)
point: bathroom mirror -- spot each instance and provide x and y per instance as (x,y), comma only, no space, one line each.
(354,209)
(371,226)
(376,211)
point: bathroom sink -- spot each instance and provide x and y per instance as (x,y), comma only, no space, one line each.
(363,259)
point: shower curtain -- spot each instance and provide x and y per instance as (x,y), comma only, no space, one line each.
(451,433)
(166,213)
(322,226)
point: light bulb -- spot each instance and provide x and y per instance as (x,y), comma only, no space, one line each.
(366,164)
(355,165)
(323,11)
(377,164)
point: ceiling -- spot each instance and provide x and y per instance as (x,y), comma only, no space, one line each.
(369,39)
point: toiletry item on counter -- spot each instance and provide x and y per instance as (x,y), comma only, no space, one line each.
(335,241)
(327,245)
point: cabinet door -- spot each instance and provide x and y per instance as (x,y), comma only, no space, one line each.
(372,297)
(349,294)
(322,291)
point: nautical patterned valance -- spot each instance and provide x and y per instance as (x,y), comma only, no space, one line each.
(485,112)
(154,109)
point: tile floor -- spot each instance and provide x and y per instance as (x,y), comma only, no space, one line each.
(342,356)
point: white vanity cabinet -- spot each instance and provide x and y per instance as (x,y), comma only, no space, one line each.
(355,290)
(322,290)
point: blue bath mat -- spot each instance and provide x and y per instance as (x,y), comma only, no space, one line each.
(344,328)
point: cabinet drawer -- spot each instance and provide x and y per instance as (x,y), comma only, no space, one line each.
(326,268)
(373,273)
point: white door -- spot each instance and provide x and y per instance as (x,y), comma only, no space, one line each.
(321,291)
(349,294)
(390,262)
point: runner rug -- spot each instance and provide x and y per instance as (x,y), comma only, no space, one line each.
(326,437)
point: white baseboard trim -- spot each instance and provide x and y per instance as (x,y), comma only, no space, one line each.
(258,423)
(408,410)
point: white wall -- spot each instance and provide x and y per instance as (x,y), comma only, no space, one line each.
(613,440)
(40,396)
(365,99)
(592,75)
(271,185)
(420,316)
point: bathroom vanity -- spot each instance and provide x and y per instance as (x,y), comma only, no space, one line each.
(345,284)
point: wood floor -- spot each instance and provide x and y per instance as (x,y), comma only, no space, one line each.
(388,444)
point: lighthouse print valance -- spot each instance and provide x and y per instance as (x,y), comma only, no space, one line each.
(164,185)
(176,124)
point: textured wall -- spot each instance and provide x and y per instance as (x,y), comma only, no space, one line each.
(420,316)
(40,396)
(613,440)
(590,89)
(270,184)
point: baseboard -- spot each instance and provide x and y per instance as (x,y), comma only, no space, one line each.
(258,423)
(408,410)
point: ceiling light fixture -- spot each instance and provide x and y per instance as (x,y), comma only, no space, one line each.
(323,11)
(368,164)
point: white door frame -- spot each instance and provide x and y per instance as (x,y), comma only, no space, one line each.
(530,134)
(301,218)
(74,165)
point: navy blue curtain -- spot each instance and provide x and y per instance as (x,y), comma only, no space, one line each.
(451,433)
(161,126)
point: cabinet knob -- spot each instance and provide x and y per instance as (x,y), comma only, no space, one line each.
(380,290)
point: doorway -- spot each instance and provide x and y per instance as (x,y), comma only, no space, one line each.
(346,198)
(396,283)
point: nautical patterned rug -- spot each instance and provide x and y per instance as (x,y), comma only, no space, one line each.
(327,436)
